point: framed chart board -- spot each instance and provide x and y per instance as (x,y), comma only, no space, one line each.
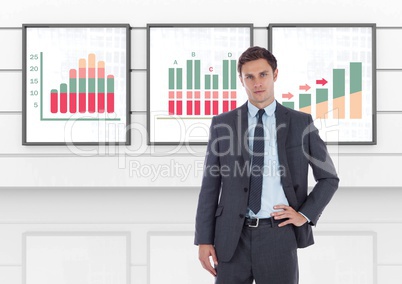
(192,76)
(76,84)
(329,71)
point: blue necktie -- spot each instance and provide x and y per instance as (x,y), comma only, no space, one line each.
(254,200)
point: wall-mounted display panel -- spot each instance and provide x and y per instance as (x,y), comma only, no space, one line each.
(192,76)
(329,71)
(76,84)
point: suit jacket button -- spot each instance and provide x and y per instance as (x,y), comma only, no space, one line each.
(241,216)
(245,189)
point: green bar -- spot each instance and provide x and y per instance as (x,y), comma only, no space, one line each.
(356,77)
(179,78)
(304,100)
(73,85)
(215,82)
(101,85)
(110,85)
(197,74)
(225,74)
(322,95)
(289,104)
(171,78)
(63,88)
(233,75)
(91,85)
(82,85)
(54,91)
(339,83)
(207,82)
(189,74)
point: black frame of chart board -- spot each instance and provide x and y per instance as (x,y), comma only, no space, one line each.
(192,76)
(76,84)
(329,71)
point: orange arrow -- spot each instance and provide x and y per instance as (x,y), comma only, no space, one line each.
(305,88)
(287,96)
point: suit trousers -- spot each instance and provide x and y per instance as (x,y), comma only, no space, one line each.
(266,254)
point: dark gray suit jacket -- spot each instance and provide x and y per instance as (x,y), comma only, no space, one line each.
(223,198)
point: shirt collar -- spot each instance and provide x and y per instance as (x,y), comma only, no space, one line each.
(269,110)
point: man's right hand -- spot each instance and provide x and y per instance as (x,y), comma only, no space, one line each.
(204,254)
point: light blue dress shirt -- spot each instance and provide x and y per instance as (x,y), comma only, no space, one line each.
(272,191)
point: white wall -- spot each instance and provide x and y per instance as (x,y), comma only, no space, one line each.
(96,189)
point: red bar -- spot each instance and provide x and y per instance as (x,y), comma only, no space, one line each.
(63,102)
(197,107)
(73,102)
(215,107)
(179,107)
(110,102)
(82,102)
(171,94)
(233,104)
(207,107)
(171,107)
(207,94)
(225,94)
(197,94)
(233,95)
(91,102)
(189,107)
(53,101)
(225,106)
(101,102)
(179,94)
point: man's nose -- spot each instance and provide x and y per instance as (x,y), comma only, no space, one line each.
(257,84)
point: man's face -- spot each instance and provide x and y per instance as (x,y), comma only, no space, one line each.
(258,78)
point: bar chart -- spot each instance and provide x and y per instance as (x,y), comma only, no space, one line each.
(90,87)
(202,94)
(325,106)
(77,84)
(328,71)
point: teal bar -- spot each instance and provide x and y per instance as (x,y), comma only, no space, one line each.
(233,74)
(225,74)
(179,78)
(289,104)
(207,82)
(197,74)
(171,78)
(63,88)
(189,74)
(215,82)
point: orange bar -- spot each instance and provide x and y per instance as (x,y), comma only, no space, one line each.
(101,69)
(356,105)
(91,65)
(82,66)
(306,109)
(339,108)
(322,110)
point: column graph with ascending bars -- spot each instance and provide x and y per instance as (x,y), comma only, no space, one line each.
(204,94)
(319,104)
(91,90)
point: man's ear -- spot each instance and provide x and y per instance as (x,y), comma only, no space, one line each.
(241,80)
(276,74)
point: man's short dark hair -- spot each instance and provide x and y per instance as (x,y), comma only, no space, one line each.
(255,53)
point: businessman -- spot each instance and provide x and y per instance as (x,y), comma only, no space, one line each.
(254,209)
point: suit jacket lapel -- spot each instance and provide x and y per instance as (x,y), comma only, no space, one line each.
(282,127)
(242,132)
